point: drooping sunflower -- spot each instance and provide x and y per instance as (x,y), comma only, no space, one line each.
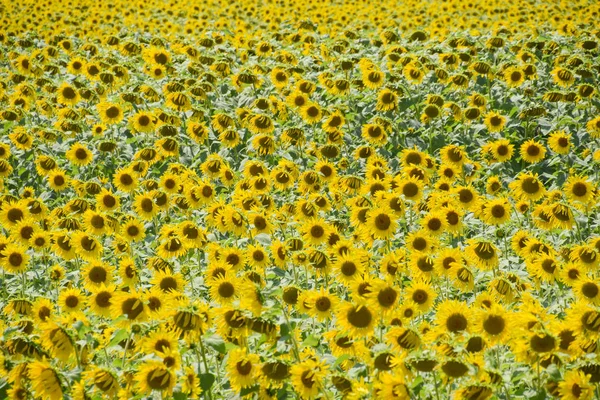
(45,380)
(155,376)
(482,253)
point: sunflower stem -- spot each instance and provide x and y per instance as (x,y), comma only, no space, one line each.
(435,383)
(125,351)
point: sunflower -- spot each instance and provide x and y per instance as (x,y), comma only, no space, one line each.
(482,253)
(12,213)
(103,379)
(373,79)
(86,246)
(434,223)
(58,341)
(563,76)
(133,230)
(110,113)
(311,113)
(307,378)
(71,300)
(315,231)
(411,188)
(67,95)
(514,77)
(243,369)
(14,258)
(129,307)
(420,241)
(142,122)
(593,127)
(532,151)
(224,289)
(494,323)
(454,317)
(128,271)
(494,121)
(374,134)
(527,186)
(413,73)
(560,142)
(144,206)
(79,155)
(45,381)
(107,201)
(42,310)
(381,222)
(100,300)
(155,376)
(76,66)
(421,294)
(578,188)
(387,100)
(356,319)
(497,211)
(97,273)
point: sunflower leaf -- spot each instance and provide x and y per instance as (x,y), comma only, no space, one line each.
(206,381)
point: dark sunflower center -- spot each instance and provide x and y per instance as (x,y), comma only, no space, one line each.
(498,211)
(112,112)
(542,344)
(530,185)
(103,299)
(420,296)
(158,379)
(226,289)
(68,93)
(72,301)
(168,283)
(484,251)
(97,274)
(360,317)
(590,290)
(387,297)
(494,324)
(132,307)
(456,323)
(579,189)
(383,222)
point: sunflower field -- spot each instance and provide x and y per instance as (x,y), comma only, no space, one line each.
(299,199)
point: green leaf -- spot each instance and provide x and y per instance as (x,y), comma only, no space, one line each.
(206,381)
(179,396)
(341,359)
(215,342)
(248,390)
(311,340)
(120,335)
